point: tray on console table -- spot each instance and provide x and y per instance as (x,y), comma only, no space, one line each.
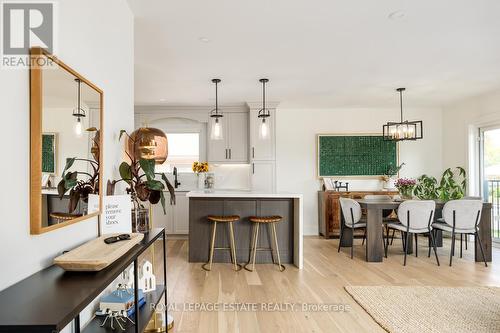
(50,299)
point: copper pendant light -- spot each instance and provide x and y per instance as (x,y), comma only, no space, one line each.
(148,143)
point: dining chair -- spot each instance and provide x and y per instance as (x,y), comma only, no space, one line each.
(415,217)
(462,217)
(386,213)
(351,210)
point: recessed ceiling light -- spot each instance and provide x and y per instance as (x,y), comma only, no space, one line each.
(163,100)
(204,39)
(397,15)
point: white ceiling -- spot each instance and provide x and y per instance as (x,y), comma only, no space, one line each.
(316,53)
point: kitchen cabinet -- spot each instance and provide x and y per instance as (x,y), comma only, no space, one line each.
(233,148)
(262,149)
(263,176)
(176,220)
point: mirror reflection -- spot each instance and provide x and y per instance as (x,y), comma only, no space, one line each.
(70,146)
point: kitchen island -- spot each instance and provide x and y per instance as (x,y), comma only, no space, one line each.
(245,204)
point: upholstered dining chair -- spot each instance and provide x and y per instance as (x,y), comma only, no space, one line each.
(462,217)
(415,217)
(351,210)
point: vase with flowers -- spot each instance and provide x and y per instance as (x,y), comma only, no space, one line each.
(200,168)
(405,187)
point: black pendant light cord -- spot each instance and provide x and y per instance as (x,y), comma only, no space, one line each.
(401,101)
(79,92)
(216,98)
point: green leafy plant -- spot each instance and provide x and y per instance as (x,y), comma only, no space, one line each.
(80,187)
(393,170)
(452,186)
(140,176)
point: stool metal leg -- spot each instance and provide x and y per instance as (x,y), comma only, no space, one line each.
(257,226)
(212,248)
(281,267)
(233,248)
(253,249)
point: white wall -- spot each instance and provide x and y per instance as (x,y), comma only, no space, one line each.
(296,131)
(96,39)
(462,121)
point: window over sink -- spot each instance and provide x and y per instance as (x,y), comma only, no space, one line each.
(183,150)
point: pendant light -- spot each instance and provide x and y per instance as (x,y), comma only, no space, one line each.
(78,112)
(264,113)
(404,130)
(148,143)
(216,130)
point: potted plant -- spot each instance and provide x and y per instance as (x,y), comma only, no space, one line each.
(200,168)
(80,183)
(452,186)
(405,187)
(143,186)
(389,176)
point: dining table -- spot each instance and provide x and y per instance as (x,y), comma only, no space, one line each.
(374,229)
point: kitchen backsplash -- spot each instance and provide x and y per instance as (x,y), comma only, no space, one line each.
(227,177)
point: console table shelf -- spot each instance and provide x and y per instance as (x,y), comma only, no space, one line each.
(50,299)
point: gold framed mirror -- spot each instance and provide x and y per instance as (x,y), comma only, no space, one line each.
(66,115)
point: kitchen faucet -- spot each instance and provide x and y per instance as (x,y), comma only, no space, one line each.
(176,182)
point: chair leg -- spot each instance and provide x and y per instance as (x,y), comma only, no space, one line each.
(340,237)
(393,233)
(352,243)
(416,245)
(281,267)
(255,242)
(212,247)
(253,248)
(386,240)
(430,244)
(461,241)
(403,240)
(452,245)
(406,245)
(433,246)
(466,241)
(364,238)
(481,247)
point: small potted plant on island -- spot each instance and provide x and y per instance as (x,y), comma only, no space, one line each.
(390,176)
(405,187)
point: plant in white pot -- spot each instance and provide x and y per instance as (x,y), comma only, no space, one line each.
(391,176)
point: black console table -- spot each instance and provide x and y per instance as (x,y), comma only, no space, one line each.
(50,299)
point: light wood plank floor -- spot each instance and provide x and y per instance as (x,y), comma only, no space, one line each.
(321,281)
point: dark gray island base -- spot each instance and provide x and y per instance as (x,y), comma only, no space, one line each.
(200,229)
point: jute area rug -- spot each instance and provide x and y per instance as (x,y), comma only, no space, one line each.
(431,309)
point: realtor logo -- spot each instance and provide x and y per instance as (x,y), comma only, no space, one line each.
(26,24)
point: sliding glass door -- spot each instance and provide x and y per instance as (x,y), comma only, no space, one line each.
(490,173)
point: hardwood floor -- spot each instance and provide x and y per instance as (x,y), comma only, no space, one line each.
(322,280)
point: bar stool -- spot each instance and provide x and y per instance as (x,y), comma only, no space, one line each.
(229,220)
(271,223)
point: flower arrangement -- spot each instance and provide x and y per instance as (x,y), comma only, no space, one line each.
(200,167)
(405,187)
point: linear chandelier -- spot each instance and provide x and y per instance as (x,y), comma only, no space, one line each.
(404,130)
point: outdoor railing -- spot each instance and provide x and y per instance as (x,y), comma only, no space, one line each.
(493,196)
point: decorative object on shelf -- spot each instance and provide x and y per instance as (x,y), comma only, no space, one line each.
(452,186)
(147,280)
(200,169)
(79,189)
(403,130)
(389,176)
(142,190)
(216,131)
(210,181)
(405,187)
(264,113)
(148,143)
(78,112)
(118,306)
(96,255)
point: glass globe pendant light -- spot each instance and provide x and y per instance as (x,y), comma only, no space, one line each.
(78,112)
(216,130)
(264,113)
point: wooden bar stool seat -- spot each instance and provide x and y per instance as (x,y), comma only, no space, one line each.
(228,220)
(270,221)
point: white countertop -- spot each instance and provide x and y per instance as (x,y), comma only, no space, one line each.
(240,194)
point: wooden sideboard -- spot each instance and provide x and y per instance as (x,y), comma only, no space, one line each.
(329,213)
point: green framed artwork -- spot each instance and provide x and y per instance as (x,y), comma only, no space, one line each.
(360,155)
(49,143)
